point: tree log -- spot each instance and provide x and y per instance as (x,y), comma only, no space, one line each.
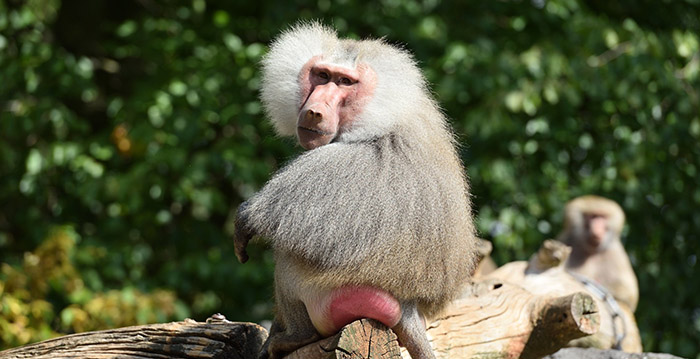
(560,321)
(544,275)
(188,339)
(484,324)
(497,319)
(494,319)
(364,338)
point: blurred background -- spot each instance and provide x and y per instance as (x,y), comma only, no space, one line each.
(131,130)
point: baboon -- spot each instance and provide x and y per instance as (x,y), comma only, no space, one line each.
(374,220)
(592,227)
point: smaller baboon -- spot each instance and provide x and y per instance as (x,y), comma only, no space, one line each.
(592,227)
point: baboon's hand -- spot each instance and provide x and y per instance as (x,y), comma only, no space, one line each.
(242,235)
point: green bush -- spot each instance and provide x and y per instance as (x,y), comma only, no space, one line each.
(130,131)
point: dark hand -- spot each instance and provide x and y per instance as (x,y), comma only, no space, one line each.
(242,235)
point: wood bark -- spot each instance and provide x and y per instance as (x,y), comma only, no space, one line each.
(216,339)
(362,339)
(497,319)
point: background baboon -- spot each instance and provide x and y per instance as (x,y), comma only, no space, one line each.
(591,259)
(592,227)
(374,220)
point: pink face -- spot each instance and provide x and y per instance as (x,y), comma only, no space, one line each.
(332,98)
(597,225)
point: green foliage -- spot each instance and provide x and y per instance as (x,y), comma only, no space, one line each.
(130,131)
(46,296)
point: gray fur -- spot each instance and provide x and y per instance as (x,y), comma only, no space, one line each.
(383,212)
(385,205)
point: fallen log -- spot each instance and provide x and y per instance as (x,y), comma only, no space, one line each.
(493,319)
(217,338)
(497,319)
(363,339)
(544,275)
